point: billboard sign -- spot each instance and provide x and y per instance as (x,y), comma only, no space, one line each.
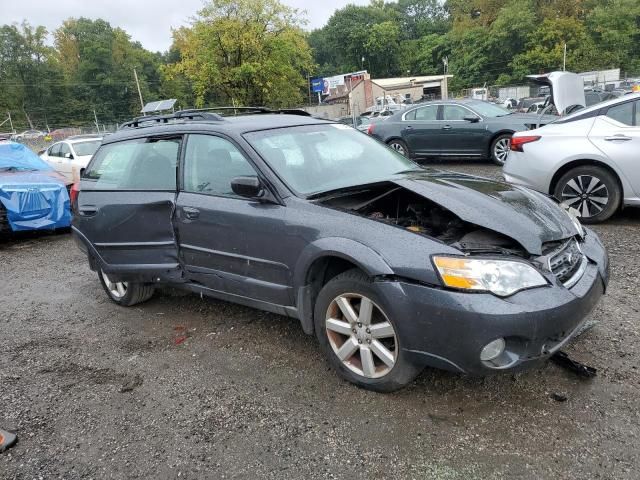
(317,85)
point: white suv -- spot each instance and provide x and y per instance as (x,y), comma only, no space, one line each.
(590,160)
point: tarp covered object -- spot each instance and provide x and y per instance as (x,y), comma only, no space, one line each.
(34,200)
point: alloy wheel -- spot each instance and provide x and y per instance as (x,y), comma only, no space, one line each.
(501,150)
(587,194)
(116,289)
(398,148)
(361,335)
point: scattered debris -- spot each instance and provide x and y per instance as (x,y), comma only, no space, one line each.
(561,359)
(7,440)
(180,340)
(131,384)
(559,397)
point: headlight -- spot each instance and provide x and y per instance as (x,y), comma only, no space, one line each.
(500,277)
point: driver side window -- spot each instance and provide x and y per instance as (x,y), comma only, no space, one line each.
(55,150)
(455,112)
(64,150)
(211,163)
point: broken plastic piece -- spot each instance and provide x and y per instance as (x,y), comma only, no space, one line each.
(562,360)
(7,440)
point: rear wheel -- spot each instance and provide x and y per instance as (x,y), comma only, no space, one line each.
(400,147)
(592,191)
(500,148)
(358,337)
(125,294)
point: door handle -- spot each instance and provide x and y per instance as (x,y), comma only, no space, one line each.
(409,127)
(620,137)
(88,210)
(191,212)
(447,127)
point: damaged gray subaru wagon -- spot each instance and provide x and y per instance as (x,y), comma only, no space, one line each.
(392,266)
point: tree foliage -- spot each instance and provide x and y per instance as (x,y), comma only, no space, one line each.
(245,52)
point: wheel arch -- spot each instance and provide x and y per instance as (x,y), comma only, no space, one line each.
(579,163)
(323,260)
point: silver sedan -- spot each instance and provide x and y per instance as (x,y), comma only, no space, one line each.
(590,160)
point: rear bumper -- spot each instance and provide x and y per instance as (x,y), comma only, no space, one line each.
(523,169)
(447,329)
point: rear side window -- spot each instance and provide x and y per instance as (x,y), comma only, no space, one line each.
(141,164)
(622,113)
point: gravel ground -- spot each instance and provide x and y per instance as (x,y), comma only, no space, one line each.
(184,387)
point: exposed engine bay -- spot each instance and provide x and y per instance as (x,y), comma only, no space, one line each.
(398,206)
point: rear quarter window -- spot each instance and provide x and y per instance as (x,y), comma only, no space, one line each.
(141,164)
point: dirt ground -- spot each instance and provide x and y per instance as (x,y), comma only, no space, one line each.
(185,387)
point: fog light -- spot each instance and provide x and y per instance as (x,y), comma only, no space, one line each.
(492,350)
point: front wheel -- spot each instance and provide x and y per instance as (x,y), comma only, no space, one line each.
(125,294)
(400,147)
(592,191)
(358,337)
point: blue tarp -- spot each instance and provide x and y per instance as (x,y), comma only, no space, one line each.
(34,199)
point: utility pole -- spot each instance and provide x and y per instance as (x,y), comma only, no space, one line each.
(135,74)
(564,59)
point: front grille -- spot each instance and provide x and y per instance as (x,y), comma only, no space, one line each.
(567,261)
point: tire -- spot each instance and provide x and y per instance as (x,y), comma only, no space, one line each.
(131,293)
(400,147)
(576,189)
(500,148)
(383,376)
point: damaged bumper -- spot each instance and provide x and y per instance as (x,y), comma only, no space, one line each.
(447,329)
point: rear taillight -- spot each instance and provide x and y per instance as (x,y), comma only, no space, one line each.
(370,129)
(73,196)
(518,142)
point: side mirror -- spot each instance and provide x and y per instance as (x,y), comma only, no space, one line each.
(472,119)
(248,187)
(69,156)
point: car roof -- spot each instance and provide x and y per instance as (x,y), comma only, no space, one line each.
(595,109)
(238,125)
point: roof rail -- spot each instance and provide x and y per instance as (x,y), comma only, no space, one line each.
(206,114)
(149,121)
(251,110)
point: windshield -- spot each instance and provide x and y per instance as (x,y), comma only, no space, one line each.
(487,109)
(313,159)
(86,148)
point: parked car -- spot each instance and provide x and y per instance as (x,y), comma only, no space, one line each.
(588,160)
(525,103)
(470,128)
(392,266)
(28,135)
(72,155)
(32,195)
(594,97)
(361,123)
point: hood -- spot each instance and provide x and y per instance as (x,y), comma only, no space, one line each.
(19,178)
(528,217)
(567,89)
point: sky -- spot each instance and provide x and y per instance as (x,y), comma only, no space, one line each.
(147,21)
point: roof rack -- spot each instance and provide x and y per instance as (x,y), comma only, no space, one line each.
(153,120)
(251,110)
(206,114)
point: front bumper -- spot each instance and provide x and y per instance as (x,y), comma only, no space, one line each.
(448,329)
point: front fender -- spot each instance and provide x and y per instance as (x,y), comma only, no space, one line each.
(367,259)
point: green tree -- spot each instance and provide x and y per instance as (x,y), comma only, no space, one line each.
(249,52)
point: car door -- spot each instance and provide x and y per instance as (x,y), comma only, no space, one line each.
(420,129)
(125,207)
(65,157)
(228,243)
(617,134)
(52,157)
(460,136)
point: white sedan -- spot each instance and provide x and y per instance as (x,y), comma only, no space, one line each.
(71,155)
(589,160)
